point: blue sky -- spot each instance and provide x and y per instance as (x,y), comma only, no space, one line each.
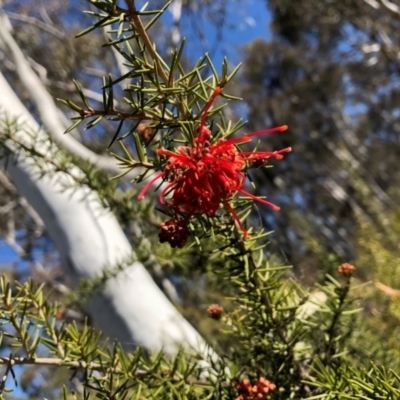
(241,26)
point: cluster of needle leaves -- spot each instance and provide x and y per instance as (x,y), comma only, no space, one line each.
(294,338)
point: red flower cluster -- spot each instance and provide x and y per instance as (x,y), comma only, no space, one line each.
(208,174)
(258,391)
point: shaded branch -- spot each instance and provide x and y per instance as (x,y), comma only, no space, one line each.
(58,362)
(36,22)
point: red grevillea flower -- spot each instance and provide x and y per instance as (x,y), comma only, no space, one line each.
(207,174)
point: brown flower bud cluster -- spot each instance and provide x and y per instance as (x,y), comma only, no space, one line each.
(259,391)
(175,232)
(145,131)
(215,311)
(346,269)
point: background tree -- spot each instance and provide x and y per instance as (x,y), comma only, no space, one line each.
(330,71)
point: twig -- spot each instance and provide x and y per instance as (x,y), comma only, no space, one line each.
(58,362)
(125,115)
(8,369)
(330,347)
(50,327)
(14,321)
(135,20)
(36,22)
(255,280)
(393,8)
(55,362)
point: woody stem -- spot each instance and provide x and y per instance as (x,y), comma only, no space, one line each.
(134,19)
(255,279)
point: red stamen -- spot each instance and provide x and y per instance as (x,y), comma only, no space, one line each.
(257,156)
(146,188)
(163,152)
(274,206)
(164,191)
(262,154)
(247,136)
(241,139)
(266,131)
(237,219)
(217,91)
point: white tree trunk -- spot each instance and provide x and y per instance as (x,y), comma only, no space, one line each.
(88,237)
(48,110)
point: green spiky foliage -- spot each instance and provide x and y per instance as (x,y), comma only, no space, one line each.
(297,339)
(303,340)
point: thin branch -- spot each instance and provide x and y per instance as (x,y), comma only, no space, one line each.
(55,362)
(125,115)
(49,326)
(389,6)
(256,281)
(58,362)
(3,381)
(4,181)
(330,347)
(393,8)
(36,22)
(45,16)
(135,20)
(373,4)
(23,334)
